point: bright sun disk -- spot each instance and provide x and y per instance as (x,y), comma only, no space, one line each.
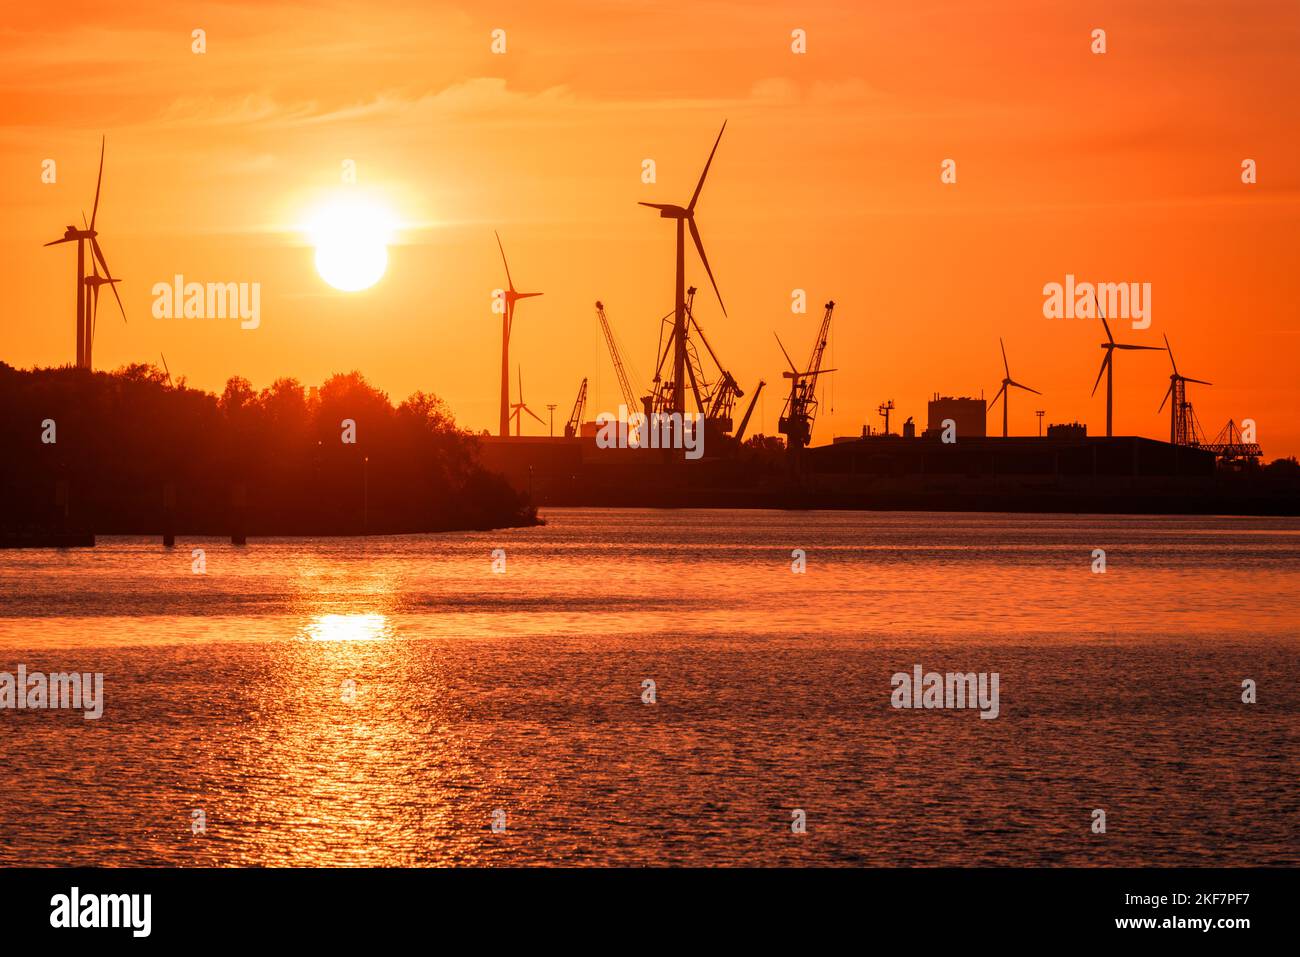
(351,238)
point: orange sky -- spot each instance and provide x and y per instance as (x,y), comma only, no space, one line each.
(1119,167)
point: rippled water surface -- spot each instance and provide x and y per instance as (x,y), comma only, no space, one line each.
(522,691)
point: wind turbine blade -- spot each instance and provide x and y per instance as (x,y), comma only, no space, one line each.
(526,295)
(1197,381)
(113,285)
(509,282)
(99,254)
(1170,350)
(656,205)
(1168,392)
(700,185)
(793,368)
(1106,326)
(1104,362)
(94,210)
(66,239)
(699,246)
(520,371)
(1004,357)
(996,397)
(1025,387)
(534,415)
(1125,345)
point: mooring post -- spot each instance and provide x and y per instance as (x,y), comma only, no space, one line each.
(238,502)
(61,504)
(169,515)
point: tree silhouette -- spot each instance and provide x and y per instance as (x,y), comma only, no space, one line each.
(128,442)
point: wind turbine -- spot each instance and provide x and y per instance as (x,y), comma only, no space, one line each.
(507,321)
(1108,364)
(520,407)
(1178,390)
(85,319)
(685,217)
(1005,391)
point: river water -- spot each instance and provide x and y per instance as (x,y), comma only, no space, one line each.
(385,701)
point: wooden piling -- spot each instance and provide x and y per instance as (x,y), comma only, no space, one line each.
(169,515)
(238,507)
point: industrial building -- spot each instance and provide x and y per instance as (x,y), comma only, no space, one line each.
(967,414)
(983,457)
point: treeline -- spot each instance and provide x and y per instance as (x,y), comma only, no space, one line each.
(130,452)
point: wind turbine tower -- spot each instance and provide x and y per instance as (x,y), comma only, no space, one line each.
(1180,413)
(507,322)
(520,407)
(1108,366)
(86,306)
(685,217)
(1007,384)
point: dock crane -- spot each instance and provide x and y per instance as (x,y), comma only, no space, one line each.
(574,424)
(716,398)
(1230,445)
(719,399)
(663,391)
(800,410)
(625,387)
(744,423)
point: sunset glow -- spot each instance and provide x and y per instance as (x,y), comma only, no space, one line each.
(1124,166)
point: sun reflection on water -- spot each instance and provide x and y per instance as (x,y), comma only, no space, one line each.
(371,627)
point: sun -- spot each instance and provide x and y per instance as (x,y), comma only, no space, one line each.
(351,237)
